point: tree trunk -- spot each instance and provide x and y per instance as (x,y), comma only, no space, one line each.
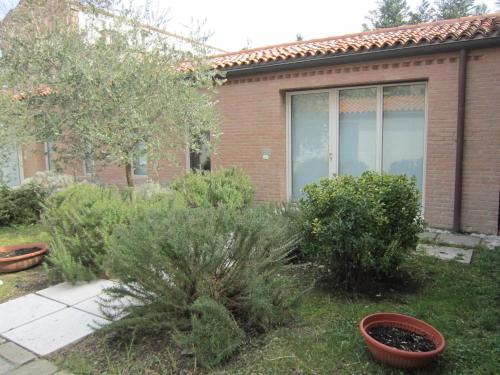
(128,174)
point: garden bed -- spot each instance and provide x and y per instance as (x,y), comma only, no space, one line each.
(456,298)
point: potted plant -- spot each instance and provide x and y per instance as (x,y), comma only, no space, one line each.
(400,340)
(20,257)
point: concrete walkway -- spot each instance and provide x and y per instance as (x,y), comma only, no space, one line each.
(40,323)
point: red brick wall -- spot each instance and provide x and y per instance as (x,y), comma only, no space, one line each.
(482,143)
(163,172)
(33,159)
(253,110)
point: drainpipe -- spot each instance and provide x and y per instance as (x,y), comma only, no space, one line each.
(459,156)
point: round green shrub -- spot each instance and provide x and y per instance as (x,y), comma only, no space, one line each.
(230,188)
(194,187)
(21,205)
(361,227)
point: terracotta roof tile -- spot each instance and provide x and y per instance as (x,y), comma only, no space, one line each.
(410,35)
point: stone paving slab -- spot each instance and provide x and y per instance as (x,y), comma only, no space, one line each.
(91,306)
(427,235)
(15,354)
(5,366)
(71,294)
(37,367)
(488,240)
(459,239)
(55,331)
(447,253)
(22,310)
(95,306)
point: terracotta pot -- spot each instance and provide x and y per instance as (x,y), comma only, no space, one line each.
(396,357)
(22,262)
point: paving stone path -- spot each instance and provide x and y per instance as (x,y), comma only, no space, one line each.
(40,323)
(459,247)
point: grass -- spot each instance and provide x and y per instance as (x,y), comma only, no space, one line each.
(22,234)
(462,301)
(20,283)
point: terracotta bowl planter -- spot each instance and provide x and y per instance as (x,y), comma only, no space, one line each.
(397,357)
(24,261)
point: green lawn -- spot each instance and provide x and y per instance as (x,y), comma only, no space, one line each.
(20,283)
(462,301)
(22,234)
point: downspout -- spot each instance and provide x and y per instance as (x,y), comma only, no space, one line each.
(459,155)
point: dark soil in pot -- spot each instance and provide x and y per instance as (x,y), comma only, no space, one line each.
(401,339)
(18,252)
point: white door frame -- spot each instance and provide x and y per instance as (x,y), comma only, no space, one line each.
(334,130)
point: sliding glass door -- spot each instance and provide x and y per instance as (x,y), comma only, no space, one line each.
(351,130)
(309,138)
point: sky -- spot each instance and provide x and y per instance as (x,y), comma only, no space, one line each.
(238,24)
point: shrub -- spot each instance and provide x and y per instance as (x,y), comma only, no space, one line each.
(194,187)
(361,227)
(80,221)
(82,218)
(21,205)
(152,193)
(195,270)
(149,189)
(215,335)
(229,188)
(50,181)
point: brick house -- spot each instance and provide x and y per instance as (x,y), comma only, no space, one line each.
(422,100)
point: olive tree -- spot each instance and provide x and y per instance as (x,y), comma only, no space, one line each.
(112,91)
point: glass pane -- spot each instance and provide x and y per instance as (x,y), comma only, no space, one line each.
(200,159)
(403,134)
(357,130)
(50,156)
(9,167)
(141,162)
(89,166)
(310,121)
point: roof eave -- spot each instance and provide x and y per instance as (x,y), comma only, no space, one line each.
(385,53)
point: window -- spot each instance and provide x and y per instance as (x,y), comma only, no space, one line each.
(88,162)
(10,168)
(352,130)
(200,159)
(140,164)
(88,166)
(49,155)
